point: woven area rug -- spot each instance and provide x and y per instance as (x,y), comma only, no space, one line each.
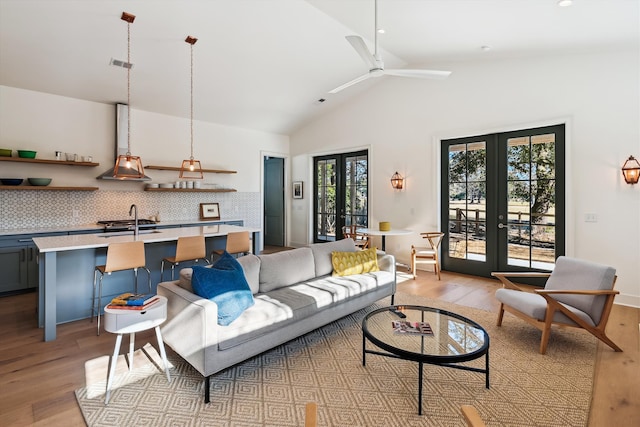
(325,366)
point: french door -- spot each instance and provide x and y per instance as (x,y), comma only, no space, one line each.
(502,199)
(341,185)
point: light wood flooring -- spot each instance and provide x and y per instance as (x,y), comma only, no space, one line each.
(38,379)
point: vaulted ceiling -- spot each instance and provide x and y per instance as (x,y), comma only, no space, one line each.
(264,64)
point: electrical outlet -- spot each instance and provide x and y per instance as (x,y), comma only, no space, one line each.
(590,217)
(75,213)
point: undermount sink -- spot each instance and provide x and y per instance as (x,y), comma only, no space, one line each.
(129,233)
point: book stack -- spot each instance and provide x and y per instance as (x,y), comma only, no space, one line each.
(130,301)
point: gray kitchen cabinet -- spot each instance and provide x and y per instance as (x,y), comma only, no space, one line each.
(19,263)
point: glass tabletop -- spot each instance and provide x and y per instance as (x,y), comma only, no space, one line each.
(453,338)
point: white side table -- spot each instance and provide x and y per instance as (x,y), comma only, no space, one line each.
(122,321)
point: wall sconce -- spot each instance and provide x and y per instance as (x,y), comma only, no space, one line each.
(397,181)
(631,170)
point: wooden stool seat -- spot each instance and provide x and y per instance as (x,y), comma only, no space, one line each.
(237,243)
(120,257)
(191,248)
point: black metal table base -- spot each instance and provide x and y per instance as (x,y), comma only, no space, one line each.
(421,365)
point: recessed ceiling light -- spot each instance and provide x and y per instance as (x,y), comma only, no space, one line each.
(485,48)
(380,30)
(565,3)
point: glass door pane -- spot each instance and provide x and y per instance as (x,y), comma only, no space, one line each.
(531,199)
(326,200)
(467,201)
(356,180)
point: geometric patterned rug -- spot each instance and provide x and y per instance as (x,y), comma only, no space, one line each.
(325,366)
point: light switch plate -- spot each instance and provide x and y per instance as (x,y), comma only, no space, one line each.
(590,217)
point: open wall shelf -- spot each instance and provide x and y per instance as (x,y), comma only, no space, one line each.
(177,169)
(48,162)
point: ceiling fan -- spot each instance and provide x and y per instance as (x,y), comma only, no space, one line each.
(376,66)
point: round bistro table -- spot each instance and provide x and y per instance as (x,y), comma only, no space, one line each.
(455,339)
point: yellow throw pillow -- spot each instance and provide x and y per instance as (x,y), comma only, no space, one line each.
(348,263)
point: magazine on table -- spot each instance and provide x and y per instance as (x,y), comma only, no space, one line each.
(407,327)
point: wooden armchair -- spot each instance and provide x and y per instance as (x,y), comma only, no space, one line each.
(577,294)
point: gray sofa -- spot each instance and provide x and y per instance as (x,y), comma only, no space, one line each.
(294,293)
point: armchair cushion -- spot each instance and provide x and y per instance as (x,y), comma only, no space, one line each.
(571,274)
(535,306)
(224,283)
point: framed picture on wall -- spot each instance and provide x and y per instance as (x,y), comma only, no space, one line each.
(297,189)
(209,211)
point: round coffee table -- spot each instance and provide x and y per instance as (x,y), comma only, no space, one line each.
(455,339)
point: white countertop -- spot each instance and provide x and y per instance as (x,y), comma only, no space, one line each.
(100,240)
(98,227)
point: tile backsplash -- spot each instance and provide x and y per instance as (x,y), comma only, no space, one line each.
(38,209)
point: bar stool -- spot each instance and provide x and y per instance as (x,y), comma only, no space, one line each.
(238,242)
(120,256)
(190,248)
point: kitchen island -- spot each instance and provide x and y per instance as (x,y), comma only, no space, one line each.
(66,266)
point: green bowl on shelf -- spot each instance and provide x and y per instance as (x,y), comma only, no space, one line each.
(41,182)
(27,154)
(5,152)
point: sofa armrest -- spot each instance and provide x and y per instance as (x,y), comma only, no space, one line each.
(387,262)
(191,328)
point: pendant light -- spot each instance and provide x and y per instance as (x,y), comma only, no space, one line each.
(128,166)
(191,168)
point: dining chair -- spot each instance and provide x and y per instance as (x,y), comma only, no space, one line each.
(471,416)
(361,240)
(189,248)
(311,414)
(120,257)
(238,242)
(427,254)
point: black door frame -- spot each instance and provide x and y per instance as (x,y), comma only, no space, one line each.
(496,190)
(340,186)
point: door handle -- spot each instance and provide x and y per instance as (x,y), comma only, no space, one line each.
(501,225)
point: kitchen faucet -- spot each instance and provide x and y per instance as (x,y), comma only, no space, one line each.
(134,209)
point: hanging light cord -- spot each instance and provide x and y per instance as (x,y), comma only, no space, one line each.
(129,88)
(191,158)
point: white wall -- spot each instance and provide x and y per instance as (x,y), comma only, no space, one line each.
(596,95)
(48,123)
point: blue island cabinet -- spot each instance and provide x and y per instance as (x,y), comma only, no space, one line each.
(67,265)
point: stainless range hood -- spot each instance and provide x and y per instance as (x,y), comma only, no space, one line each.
(122,117)
(122,171)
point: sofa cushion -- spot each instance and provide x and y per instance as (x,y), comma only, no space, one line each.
(224,283)
(250,265)
(322,254)
(285,268)
(349,263)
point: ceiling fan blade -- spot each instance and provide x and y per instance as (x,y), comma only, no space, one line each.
(358,44)
(422,74)
(351,83)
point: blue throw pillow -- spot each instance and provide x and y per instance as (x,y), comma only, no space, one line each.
(223,283)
